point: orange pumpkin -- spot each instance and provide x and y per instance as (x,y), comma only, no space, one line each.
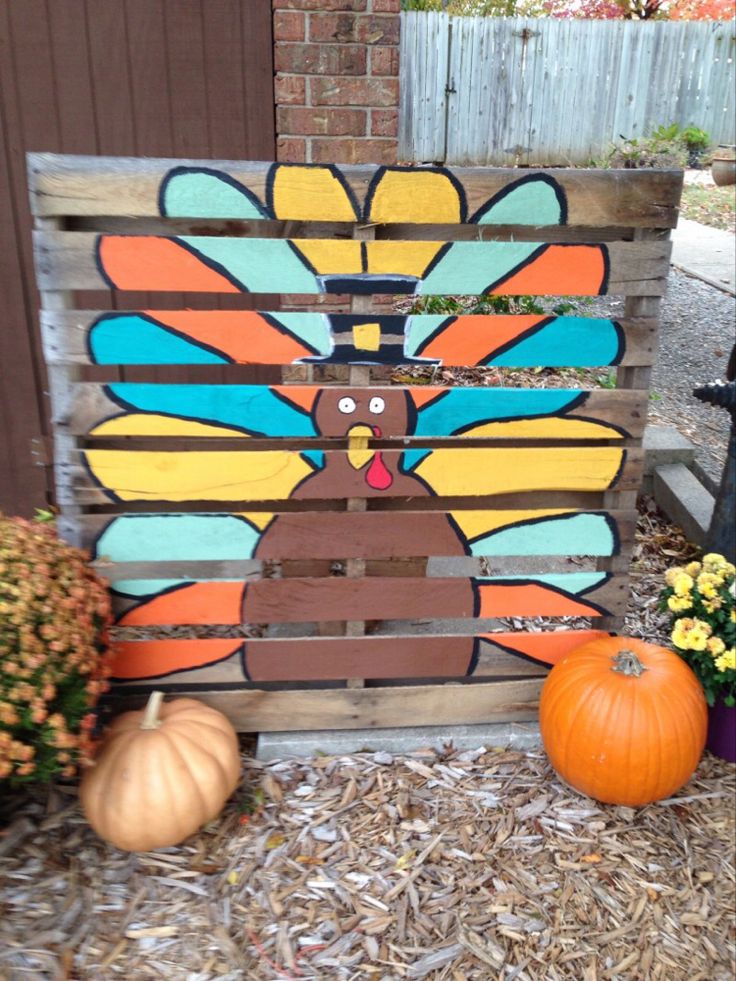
(623,721)
(160,774)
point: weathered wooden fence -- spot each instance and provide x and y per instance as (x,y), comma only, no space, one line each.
(152,77)
(485,90)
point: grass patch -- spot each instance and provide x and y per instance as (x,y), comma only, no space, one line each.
(714,206)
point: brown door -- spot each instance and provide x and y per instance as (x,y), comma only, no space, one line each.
(167,78)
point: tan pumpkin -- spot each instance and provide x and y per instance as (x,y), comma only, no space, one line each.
(623,721)
(160,774)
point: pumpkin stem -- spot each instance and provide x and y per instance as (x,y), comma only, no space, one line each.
(150,717)
(626,662)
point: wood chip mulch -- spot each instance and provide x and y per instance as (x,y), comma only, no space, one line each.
(465,866)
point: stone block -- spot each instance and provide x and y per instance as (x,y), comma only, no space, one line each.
(285,745)
(664,445)
(684,500)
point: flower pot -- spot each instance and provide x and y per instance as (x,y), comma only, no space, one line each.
(723,166)
(722,731)
(695,157)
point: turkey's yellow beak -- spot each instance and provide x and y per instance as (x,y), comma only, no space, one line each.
(358,452)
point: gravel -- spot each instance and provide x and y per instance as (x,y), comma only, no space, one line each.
(697,334)
(698,330)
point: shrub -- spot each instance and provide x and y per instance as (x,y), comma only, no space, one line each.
(666,146)
(700,599)
(54,663)
(695,138)
(653,151)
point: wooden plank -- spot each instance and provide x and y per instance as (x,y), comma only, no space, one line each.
(257,53)
(242,337)
(359,375)
(73,91)
(122,475)
(428,231)
(151,92)
(68,185)
(369,708)
(149,78)
(213,264)
(627,378)
(110,78)
(427,41)
(61,378)
(130,88)
(185,54)
(163,574)
(188,539)
(26,82)
(23,483)
(431,232)
(542,499)
(359,414)
(322,662)
(179,573)
(235,661)
(194,74)
(315,600)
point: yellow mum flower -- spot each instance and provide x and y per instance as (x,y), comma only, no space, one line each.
(681,631)
(708,584)
(714,559)
(697,639)
(691,634)
(678,604)
(693,569)
(727,661)
(672,574)
(683,584)
(733,616)
(716,646)
(711,605)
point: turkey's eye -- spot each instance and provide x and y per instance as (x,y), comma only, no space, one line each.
(376,405)
(346,405)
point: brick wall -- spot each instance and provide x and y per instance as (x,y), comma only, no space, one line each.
(337,86)
(337,92)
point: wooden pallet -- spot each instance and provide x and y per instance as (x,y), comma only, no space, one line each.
(354,543)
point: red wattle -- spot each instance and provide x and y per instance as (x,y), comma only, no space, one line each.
(377,476)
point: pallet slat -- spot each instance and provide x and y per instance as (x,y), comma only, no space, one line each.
(324,663)
(304,600)
(236,661)
(75,185)
(126,409)
(214,337)
(271,475)
(432,232)
(485,482)
(368,708)
(215,264)
(188,543)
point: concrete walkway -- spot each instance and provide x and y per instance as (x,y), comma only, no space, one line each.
(707,253)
